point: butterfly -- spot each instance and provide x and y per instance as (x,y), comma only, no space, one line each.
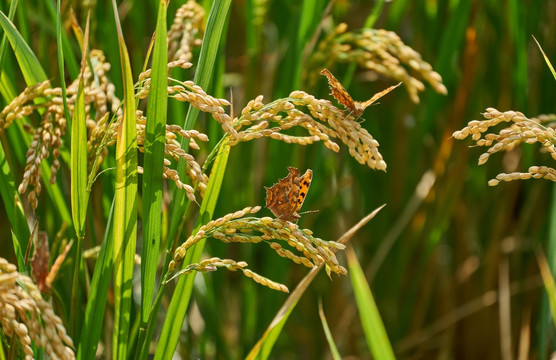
(343,97)
(286,197)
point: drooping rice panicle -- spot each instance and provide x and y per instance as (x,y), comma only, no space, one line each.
(518,130)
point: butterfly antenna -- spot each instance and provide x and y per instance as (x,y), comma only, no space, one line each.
(308,211)
(349,114)
(357,118)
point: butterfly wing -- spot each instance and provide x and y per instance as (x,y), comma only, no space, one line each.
(377,96)
(281,198)
(304,183)
(286,197)
(338,91)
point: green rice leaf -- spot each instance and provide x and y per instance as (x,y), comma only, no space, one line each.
(375,333)
(11,13)
(13,207)
(328,333)
(264,346)
(203,77)
(19,254)
(155,135)
(28,62)
(549,284)
(309,18)
(546,59)
(60,47)
(125,212)
(96,304)
(175,314)
(79,195)
(62,41)
(169,336)
(547,300)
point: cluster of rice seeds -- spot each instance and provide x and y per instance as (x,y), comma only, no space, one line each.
(260,11)
(21,105)
(186,31)
(520,130)
(47,138)
(213,263)
(327,53)
(26,314)
(187,91)
(236,227)
(323,122)
(100,136)
(99,92)
(173,150)
(549,119)
(362,146)
(145,77)
(256,118)
(535,172)
(380,51)
(173,175)
(196,96)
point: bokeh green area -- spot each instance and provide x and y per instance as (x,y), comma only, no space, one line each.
(441,255)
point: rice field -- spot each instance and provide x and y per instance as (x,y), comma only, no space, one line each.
(276,179)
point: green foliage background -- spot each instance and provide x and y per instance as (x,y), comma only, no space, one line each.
(434,261)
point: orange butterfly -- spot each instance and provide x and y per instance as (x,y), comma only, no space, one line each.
(340,93)
(286,197)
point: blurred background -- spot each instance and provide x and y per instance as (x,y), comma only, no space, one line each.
(450,261)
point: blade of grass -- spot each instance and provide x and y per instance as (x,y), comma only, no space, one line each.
(98,295)
(155,135)
(548,298)
(214,190)
(307,25)
(19,254)
(11,13)
(548,280)
(14,209)
(125,212)
(544,313)
(263,347)
(79,195)
(8,191)
(546,58)
(375,333)
(329,338)
(169,336)
(29,64)
(180,300)
(203,75)
(62,39)
(61,63)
